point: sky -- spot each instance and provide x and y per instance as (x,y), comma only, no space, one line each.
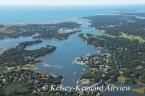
(69,2)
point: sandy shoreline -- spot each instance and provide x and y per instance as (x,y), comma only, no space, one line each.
(48,65)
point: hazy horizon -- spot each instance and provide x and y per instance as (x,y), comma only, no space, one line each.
(76,5)
(71,2)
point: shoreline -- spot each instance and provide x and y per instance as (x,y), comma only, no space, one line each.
(44,21)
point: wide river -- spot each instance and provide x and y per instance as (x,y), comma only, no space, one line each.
(61,60)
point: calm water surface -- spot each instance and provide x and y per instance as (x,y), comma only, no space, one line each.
(61,60)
